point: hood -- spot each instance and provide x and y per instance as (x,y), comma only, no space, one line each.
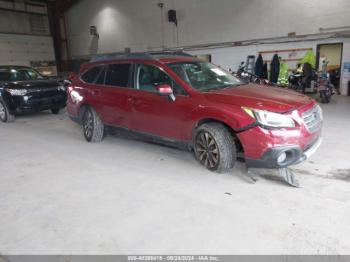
(260,97)
(32,84)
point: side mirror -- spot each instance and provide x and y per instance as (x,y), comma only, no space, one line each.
(165,90)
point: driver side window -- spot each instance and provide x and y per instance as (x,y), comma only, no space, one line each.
(148,77)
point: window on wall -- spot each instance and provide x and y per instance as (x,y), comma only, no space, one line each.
(15,20)
(118,75)
(148,77)
(38,24)
(205,58)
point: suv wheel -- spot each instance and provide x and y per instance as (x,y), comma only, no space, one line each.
(93,127)
(55,111)
(5,115)
(214,147)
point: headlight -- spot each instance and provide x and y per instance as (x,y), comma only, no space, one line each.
(61,88)
(320,111)
(17,92)
(270,119)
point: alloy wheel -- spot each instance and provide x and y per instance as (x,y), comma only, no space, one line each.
(88,124)
(2,112)
(207,150)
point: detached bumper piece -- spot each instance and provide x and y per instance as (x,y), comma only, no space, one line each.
(289,177)
(280,158)
(283,173)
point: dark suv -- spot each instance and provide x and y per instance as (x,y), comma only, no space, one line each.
(23,90)
(180,100)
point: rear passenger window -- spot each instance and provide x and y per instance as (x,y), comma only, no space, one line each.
(101,78)
(90,75)
(118,75)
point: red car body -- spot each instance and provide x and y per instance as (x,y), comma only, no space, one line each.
(150,113)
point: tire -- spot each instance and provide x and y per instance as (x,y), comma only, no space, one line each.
(93,128)
(5,115)
(325,96)
(214,147)
(55,111)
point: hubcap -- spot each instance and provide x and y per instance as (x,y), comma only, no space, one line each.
(2,111)
(88,124)
(207,150)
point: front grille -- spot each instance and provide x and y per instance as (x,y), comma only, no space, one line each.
(44,94)
(42,90)
(313,118)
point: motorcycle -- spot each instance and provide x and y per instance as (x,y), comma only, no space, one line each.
(250,77)
(325,88)
(295,81)
(318,83)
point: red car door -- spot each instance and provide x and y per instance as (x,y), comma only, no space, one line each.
(114,103)
(159,115)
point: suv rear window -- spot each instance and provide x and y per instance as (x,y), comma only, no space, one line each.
(90,75)
(118,75)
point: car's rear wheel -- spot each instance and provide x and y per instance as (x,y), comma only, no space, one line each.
(93,127)
(214,147)
(5,115)
(55,111)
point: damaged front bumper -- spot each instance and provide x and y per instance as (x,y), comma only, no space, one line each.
(284,156)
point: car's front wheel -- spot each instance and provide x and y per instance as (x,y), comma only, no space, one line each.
(93,126)
(5,115)
(214,147)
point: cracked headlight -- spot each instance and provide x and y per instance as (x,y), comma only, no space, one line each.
(270,119)
(17,92)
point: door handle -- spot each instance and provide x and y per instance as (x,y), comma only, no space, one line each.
(134,100)
(131,99)
(94,92)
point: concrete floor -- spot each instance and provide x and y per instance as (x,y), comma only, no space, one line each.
(59,194)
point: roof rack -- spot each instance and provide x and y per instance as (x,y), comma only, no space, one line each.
(122,55)
(136,55)
(170,53)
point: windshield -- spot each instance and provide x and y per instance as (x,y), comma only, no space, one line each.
(204,76)
(19,74)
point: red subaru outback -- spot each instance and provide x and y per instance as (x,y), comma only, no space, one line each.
(177,99)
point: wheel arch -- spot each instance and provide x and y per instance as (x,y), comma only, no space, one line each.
(215,120)
(6,98)
(81,111)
